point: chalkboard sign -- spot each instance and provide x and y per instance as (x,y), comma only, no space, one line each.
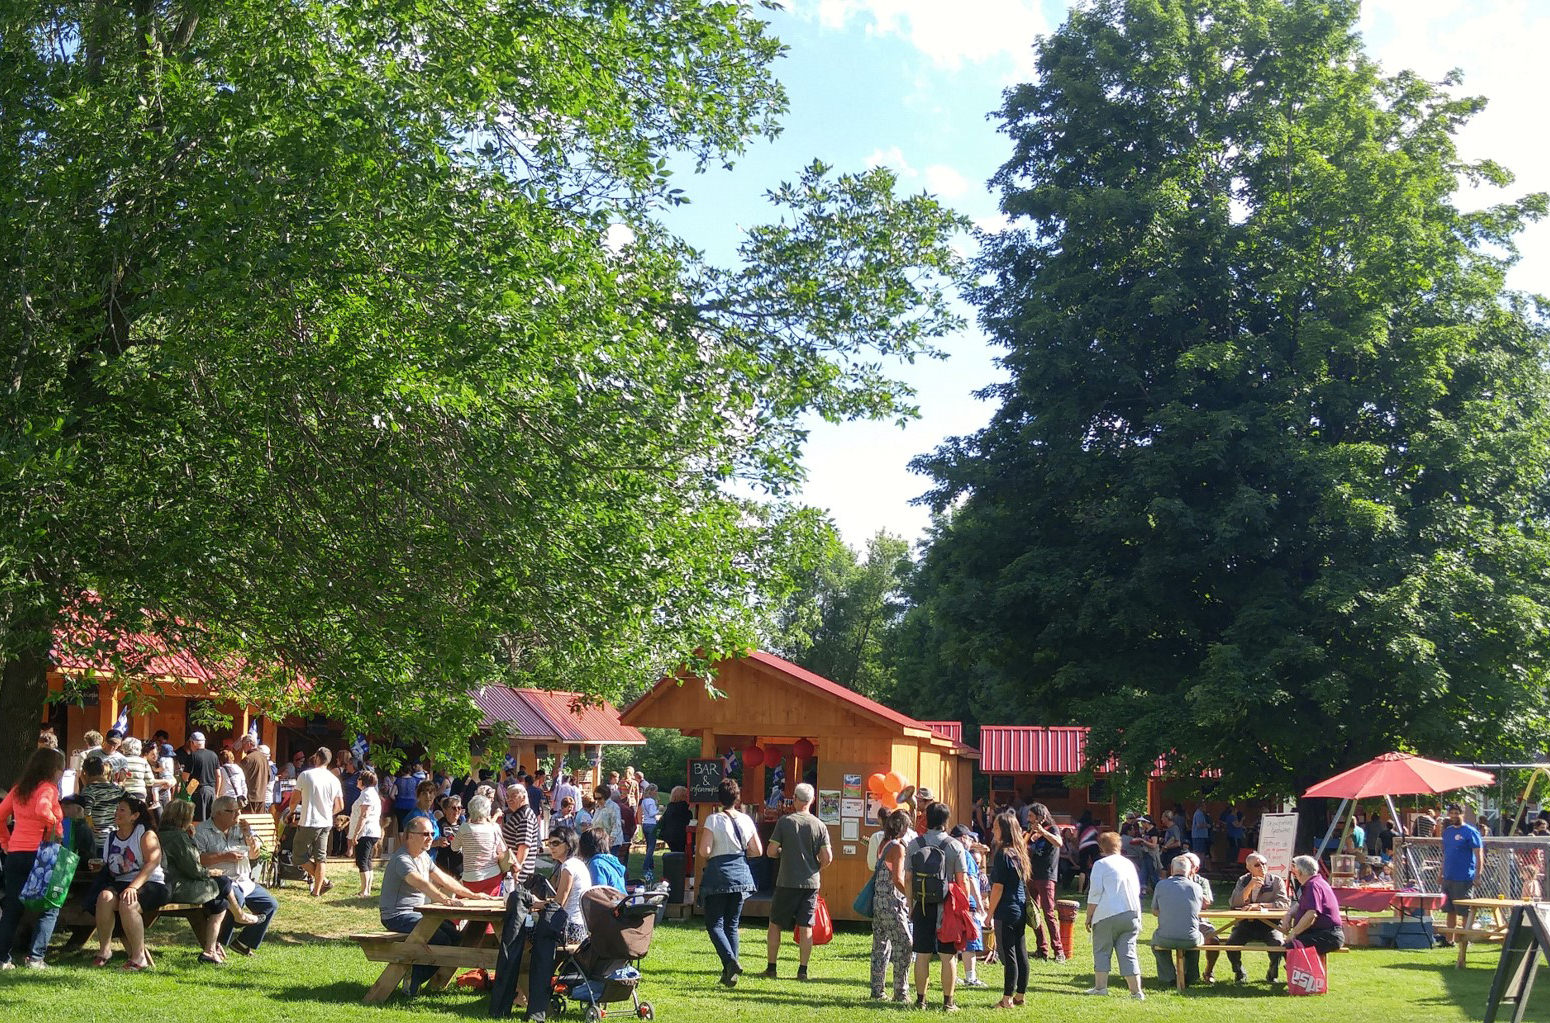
(1528,938)
(704,779)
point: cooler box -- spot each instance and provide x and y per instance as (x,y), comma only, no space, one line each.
(1356,935)
(1380,933)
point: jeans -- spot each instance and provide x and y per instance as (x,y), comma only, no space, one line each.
(446,934)
(1012,946)
(650,831)
(17,866)
(722,913)
(262,905)
(546,931)
(1041,903)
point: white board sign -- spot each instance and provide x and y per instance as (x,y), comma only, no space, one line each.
(1277,836)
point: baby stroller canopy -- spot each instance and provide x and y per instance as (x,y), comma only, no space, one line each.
(614,930)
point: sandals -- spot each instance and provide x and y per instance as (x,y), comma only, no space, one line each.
(205,957)
(134,967)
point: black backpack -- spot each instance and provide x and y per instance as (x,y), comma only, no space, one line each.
(928,864)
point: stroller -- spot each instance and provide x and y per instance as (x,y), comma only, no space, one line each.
(606,968)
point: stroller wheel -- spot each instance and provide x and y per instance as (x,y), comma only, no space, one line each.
(594,1014)
(645,1011)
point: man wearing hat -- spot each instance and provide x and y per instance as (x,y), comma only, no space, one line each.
(204,767)
(922,798)
(1463,858)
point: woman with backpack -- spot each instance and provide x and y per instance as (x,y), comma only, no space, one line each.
(891,908)
(1010,870)
(725,842)
(34,802)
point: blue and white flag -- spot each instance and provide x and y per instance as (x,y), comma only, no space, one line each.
(122,724)
(360,747)
(510,763)
(253,731)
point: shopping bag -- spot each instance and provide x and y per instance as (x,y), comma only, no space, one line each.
(1305,971)
(823,924)
(866,898)
(53,869)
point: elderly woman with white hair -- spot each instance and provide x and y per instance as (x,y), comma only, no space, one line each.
(1256,889)
(1315,920)
(481,846)
(136,777)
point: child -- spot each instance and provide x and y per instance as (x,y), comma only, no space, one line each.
(974,864)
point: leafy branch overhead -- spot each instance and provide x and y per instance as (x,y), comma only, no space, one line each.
(311,340)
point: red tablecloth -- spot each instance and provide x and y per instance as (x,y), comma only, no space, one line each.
(1416,902)
(1368,900)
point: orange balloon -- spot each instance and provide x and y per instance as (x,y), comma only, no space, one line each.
(888,801)
(877,785)
(895,782)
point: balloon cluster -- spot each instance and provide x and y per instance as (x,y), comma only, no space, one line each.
(886,788)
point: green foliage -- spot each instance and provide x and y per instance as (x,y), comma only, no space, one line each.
(663,760)
(312,344)
(1266,487)
(841,620)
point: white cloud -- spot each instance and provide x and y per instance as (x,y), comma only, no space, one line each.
(942,180)
(617,238)
(893,159)
(949,33)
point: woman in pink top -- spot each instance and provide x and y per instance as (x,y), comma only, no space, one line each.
(34,802)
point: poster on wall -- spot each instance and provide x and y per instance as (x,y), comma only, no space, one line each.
(851,807)
(850,831)
(1277,836)
(851,789)
(829,806)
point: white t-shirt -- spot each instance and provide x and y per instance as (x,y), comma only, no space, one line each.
(729,832)
(317,789)
(1114,888)
(580,881)
(366,815)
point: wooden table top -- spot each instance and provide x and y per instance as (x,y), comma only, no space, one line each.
(1493,903)
(467,909)
(1242,914)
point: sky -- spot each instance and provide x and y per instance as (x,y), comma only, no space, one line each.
(910,84)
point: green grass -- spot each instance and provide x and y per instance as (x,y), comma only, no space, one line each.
(305,972)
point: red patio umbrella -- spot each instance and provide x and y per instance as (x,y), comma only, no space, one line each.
(1397,774)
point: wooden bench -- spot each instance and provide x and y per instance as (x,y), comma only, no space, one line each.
(266,866)
(1178,955)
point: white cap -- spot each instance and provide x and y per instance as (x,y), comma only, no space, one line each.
(197,737)
(262,748)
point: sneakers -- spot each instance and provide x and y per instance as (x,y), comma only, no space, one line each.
(973,982)
(949,1006)
(34,963)
(920,1003)
(1239,977)
(801,973)
(769,971)
(1060,957)
(1096,991)
(7,965)
(1138,996)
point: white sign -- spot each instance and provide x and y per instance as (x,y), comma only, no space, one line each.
(1277,836)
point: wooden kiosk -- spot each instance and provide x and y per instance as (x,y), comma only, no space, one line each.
(776,705)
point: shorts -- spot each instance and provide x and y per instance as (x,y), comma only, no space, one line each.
(365,852)
(923,939)
(1455,890)
(152,895)
(311,845)
(793,907)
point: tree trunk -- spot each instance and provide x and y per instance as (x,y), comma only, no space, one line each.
(23,697)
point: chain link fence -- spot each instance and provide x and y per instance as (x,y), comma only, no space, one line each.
(1514,867)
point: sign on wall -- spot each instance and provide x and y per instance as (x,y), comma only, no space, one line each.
(1277,836)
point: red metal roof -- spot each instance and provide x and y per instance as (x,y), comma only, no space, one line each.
(1032,749)
(580,722)
(82,649)
(555,716)
(947,729)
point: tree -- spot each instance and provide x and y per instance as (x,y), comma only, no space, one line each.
(840,620)
(316,351)
(1266,487)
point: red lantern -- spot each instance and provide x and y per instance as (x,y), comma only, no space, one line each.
(753,756)
(803,749)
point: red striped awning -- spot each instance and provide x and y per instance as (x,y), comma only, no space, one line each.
(946,729)
(1032,749)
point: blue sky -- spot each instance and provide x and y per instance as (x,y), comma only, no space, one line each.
(908,84)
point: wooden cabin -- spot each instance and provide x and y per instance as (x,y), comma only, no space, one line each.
(774,704)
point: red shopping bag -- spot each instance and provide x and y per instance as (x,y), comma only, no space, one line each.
(1305,972)
(823,924)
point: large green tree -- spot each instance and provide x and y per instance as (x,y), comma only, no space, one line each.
(842,614)
(322,341)
(1265,489)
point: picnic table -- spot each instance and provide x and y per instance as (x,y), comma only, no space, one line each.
(1242,914)
(1475,929)
(476,948)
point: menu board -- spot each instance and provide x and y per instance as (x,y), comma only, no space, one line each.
(705,776)
(1277,836)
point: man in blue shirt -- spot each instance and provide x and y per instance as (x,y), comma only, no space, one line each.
(1200,833)
(1463,858)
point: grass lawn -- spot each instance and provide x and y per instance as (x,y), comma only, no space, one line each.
(305,972)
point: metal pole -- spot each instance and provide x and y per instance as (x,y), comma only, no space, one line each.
(1412,861)
(1319,849)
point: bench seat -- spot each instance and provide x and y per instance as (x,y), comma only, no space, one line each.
(1178,955)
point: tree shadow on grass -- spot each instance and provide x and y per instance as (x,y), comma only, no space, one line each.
(453,1001)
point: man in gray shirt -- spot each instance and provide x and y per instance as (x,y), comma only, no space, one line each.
(410,879)
(801,842)
(1177,901)
(926,918)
